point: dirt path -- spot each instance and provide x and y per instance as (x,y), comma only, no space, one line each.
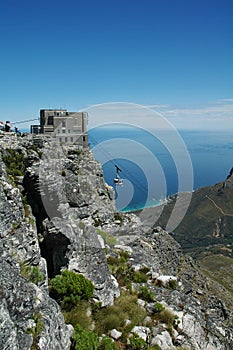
(219,208)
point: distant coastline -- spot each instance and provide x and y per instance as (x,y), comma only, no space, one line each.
(210,152)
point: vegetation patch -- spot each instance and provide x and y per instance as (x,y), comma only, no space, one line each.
(108,238)
(14,161)
(69,288)
(146,294)
(115,316)
(158,307)
(124,272)
(84,339)
(107,344)
(36,331)
(219,268)
(137,343)
(32,273)
(125,275)
(79,314)
(168,317)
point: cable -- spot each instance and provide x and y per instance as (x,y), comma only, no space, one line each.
(136,182)
(24,121)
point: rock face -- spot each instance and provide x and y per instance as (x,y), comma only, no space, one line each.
(24,305)
(69,198)
(58,213)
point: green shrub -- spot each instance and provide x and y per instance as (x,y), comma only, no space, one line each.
(85,339)
(146,294)
(36,275)
(158,307)
(140,277)
(107,344)
(70,287)
(137,343)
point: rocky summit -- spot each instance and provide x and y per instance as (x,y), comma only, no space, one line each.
(57,214)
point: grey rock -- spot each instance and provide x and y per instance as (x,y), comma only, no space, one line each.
(115,334)
(164,340)
(23,304)
(142,331)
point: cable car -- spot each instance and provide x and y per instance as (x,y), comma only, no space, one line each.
(117,180)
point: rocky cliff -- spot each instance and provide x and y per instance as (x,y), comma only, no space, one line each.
(58,213)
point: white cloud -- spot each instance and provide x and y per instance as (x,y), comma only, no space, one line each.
(157,106)
(230,100)
(218,114)
(215,115)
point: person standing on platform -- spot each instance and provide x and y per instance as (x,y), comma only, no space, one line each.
(8,126)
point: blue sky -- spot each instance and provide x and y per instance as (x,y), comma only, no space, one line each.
(172,55)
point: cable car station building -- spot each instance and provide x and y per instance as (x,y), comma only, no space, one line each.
(66,127)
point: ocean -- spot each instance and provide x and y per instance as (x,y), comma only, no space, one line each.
(155,165)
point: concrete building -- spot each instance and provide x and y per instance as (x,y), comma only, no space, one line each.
(66,127)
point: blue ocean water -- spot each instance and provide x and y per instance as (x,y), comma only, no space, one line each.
(153,170)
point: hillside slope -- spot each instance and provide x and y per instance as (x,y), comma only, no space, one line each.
(206,231)
(208,223)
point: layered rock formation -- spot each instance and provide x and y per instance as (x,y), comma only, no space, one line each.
(56,212)
(26,308)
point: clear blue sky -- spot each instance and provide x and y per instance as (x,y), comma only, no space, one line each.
(72,54)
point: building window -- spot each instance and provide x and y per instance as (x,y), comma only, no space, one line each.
(84,138)
(63,124)
(60,139)
(50,120)
(71,139)
(65,139)
(58,131)
(69,131)
(64,131)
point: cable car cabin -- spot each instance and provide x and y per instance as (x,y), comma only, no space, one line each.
(118,181)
